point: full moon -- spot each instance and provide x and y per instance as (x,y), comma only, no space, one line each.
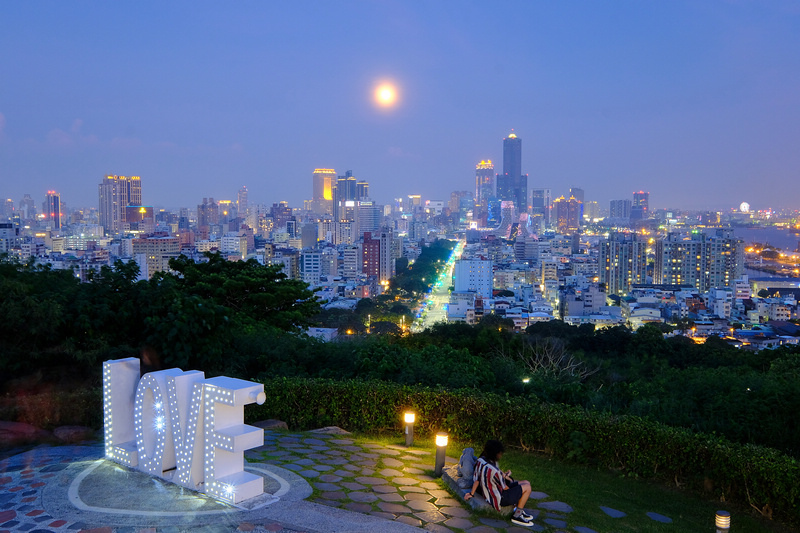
(385,95)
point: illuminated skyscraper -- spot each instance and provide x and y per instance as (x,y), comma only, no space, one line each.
(640,209)
(322,182)
(241,202)
(362,190)
(707,262)
(52,209)
(541,205)
(343,192)
(484,181)
(512,185)
(115,194)
(567,215)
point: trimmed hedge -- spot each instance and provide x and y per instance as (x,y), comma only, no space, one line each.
(762,477)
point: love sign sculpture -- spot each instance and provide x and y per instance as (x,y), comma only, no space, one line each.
(182,427)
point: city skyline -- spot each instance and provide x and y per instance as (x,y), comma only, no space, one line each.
(694,103)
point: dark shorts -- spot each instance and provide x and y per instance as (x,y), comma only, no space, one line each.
(511,495)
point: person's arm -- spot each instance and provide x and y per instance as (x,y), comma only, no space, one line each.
(471,493)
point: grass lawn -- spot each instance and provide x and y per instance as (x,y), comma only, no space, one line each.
(586,489)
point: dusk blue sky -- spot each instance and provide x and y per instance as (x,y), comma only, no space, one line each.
(697,102)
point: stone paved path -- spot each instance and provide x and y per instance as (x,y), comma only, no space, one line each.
(391,482)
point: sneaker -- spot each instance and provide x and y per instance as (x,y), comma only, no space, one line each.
(526,516)
(521,520)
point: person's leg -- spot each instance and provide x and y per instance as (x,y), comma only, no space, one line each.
(526,492)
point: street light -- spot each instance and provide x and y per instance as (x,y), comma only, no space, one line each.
(409,418)
(441,452)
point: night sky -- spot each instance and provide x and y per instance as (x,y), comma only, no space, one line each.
(697,101)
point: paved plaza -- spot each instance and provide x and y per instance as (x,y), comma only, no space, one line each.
(314,483)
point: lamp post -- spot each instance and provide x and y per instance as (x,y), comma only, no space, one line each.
(723,521)
(441,452)
(409,418)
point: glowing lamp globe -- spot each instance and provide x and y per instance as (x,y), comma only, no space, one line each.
(409,418)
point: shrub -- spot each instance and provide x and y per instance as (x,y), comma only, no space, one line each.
(754,475)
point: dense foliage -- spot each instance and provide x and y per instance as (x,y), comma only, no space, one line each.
(630,445)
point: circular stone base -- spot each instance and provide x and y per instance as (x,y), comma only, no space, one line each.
(60,488)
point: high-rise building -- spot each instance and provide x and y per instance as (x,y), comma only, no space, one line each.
(578,194)
(541,205)
(362,190)
(7,208)
(704,261)
(52,209)
(207,213)
(27,207)
(241,202)
(115,194)
(512,185)
(623,262)
(344,191)
(484,182)
(377,256)
(281,214)
(322,182)
(640,208)
(473,275)
(620,209)
(591,210)
(567,215)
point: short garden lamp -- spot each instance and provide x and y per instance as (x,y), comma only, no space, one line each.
(441,452)
(723,521)
(409,419)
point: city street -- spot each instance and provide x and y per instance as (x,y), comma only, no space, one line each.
(434,307)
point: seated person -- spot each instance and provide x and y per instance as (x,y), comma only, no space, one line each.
(498,487)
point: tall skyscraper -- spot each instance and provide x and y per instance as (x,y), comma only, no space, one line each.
(27,207)
(484,182)
(343,192)
(578,194)
(512,185)
(623,262)
(322,182)
(541,205)
(241,202)
(567,214)
(362,190)
(640,208)
(115,194)
(620,209)
(52,209)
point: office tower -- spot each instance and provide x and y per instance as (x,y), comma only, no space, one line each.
(344,191)
(623,262)
(368,216)
(703,261)
(9,237)
(473,275)
(591,210)
(640,208)
(484,182)
(512,185)
(567,215)
(322,183)
(241,202)
(7,209)
(52,209)
(281,214)
(620,209)
(541,204)
(115,194)
(207,213)
(362,190)
(376,253)
(140,219)
(183,219)
(27,207)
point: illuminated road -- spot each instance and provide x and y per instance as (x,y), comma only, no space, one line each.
(434,306)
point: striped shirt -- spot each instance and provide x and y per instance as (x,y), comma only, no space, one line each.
(491,480)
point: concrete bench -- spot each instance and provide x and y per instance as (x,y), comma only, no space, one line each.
(478,502)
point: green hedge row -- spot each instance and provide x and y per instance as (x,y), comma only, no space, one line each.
(763,477)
